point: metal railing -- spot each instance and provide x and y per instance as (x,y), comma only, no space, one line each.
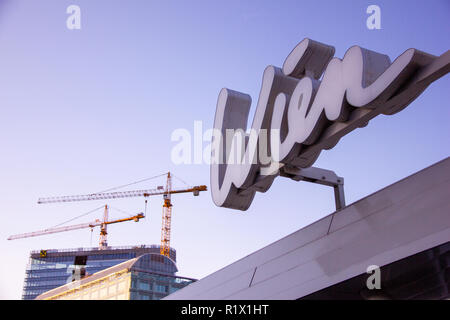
(152,246)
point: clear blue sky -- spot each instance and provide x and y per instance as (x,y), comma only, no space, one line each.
(85,110)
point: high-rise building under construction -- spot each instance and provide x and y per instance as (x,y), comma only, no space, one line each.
(49,269)
(148,277)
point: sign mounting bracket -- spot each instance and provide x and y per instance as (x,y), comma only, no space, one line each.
(320,176)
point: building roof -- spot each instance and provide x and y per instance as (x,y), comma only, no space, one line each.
(403,219)
(139,250)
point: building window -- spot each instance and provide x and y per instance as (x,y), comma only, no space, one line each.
(160,288)
(144,296)
(103,293)
(143,285)
(122,296)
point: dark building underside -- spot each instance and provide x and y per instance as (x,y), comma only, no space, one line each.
(425,275)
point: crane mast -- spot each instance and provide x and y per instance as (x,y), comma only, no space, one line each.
(166,219)
(103,242)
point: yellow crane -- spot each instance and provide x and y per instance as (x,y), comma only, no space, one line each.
(103,243)
(167,204)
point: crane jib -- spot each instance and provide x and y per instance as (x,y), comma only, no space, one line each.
(120,194)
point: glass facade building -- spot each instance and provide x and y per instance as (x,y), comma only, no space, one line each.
(49,269)
(147,277)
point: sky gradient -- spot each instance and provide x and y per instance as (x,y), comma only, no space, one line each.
(85,110)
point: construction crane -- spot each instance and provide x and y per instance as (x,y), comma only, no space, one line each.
(167,204)
(103,243)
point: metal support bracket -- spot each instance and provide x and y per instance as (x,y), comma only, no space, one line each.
(320,176)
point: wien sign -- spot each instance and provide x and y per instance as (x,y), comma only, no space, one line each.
(307,106)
